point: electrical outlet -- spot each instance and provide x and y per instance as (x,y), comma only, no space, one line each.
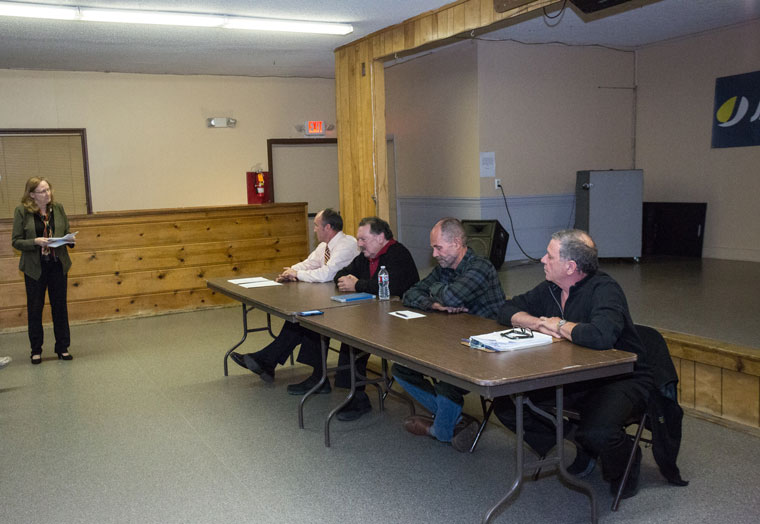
(497,183)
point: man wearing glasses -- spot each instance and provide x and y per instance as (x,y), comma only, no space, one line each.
(586,306)
(334,252)
(462,282)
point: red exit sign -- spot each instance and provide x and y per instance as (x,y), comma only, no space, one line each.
(315,128)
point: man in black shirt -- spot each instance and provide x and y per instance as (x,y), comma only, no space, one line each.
(586,306)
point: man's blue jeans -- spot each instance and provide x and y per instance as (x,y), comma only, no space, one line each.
(443,400)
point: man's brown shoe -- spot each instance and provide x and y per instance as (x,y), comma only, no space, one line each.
(418,425)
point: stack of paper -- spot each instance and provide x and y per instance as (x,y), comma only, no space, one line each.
(253,282)
(59,241)
(495,342)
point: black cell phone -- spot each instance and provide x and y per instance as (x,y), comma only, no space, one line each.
(310,313)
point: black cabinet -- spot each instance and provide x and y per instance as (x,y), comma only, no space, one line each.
(673,228)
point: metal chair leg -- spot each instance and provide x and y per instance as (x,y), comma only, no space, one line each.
(629,465)
(486,415)
(390,391)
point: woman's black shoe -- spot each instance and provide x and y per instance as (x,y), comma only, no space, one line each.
(37,360)
(66,356)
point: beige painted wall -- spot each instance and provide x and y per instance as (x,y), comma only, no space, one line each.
(548,111)
(432,111)
(675,113)
(148,143)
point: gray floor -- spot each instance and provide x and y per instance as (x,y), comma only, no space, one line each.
(143,427)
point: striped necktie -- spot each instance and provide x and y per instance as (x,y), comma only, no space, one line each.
(327,254)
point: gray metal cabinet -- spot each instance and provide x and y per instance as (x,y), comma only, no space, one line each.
(608,204)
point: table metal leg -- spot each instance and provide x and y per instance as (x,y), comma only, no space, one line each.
(351,393)
(325,344)
(570,479)
(358,380)
(558,458)
(518,400)
(246,310)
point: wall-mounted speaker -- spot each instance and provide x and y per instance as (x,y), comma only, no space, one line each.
(488,239)
(591,6)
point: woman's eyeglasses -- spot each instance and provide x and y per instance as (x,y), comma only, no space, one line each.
(517,333)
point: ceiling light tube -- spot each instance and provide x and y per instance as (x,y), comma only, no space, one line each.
(38,11)
(130,16)
(290,26)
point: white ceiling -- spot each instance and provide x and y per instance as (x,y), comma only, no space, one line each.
(83,46)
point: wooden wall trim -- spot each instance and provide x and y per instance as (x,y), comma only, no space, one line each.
(134,263)
(360,93)
(716,379)
(449,20)
(713,352)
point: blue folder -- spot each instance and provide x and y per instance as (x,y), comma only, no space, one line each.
(353,297)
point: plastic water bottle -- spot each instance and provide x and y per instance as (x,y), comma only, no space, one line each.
(383,284)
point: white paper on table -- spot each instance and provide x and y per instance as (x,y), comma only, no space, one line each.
(406,315)
(246,280)
(261,284)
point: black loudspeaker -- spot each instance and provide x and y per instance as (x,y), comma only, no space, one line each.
(488,239)
(590,6)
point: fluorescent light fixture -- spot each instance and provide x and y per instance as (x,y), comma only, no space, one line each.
(129,16)
(289,26)
(38,11)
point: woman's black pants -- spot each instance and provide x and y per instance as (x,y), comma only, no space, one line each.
(54,281)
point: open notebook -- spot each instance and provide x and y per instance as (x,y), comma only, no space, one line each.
(497,342)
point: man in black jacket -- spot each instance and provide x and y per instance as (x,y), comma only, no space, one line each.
(586,306)
(378,248)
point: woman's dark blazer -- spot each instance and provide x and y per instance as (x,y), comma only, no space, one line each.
(24,233)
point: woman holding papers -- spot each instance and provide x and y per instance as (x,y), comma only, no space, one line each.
(35,221)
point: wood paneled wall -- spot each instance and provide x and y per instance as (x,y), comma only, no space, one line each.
(135,263)
(717,378)
(360,94)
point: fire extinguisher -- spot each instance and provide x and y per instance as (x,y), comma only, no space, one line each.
(259,185)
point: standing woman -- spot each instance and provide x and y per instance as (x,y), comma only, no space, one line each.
(37,219)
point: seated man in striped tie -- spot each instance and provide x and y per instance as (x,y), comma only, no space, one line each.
(334,252)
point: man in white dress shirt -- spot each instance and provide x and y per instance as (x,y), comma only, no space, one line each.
(334,252)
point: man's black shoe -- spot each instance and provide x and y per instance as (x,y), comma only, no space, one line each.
(583,464)
(303,387)
(632,486)
(237,358)
(266,373)
(358,406)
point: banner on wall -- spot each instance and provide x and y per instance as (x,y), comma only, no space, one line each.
(736,118)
